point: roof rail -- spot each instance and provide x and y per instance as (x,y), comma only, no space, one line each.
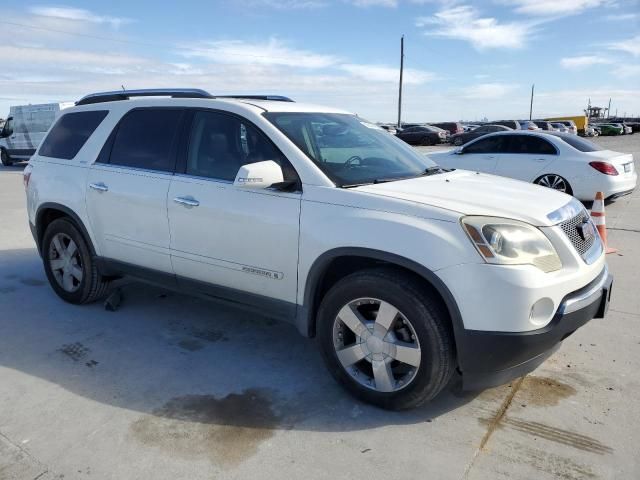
(275,98)
(151,92)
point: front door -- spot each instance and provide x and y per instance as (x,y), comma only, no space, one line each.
(480,155)
(232,239)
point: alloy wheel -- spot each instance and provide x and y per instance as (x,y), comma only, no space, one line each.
(65,262)
(376,345)
(554,181)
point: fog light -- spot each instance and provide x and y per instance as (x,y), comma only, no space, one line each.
(541,311)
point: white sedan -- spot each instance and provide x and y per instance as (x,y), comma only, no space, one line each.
(560,161)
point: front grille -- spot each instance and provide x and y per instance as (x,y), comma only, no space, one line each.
(570,228)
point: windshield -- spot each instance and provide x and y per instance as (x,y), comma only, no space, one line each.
(578,143)
(349,150)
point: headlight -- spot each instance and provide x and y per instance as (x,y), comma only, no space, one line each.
(510,242)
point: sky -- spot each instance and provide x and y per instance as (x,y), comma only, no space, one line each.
(463,60)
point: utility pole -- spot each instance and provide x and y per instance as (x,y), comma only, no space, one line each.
(609,109)
(531,105)
(400,88)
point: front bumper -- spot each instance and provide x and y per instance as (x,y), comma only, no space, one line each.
(487,359)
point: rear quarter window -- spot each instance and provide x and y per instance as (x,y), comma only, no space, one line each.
(70,133)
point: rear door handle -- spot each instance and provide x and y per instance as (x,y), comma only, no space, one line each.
(540,159)
(101,187)
(187,201)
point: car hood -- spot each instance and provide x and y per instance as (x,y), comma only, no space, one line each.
(471,193)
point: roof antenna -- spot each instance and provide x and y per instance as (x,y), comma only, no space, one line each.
(123,89)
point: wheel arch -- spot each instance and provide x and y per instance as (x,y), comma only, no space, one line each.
(48,212)
(334,264)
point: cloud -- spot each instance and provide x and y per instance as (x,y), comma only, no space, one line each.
(627,71)
(584,61)
(274,52)
(375,3)
(621,17)
(555,7)
(78,15)
(489,91)
(380,73)
(465,23)
(60,58)
(286,4)
(631,45)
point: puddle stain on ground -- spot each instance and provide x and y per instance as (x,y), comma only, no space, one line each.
(543,461)
(75,351)
(225,430)
(543,391)
(558,435)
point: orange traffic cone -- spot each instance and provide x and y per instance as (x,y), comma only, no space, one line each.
(597,214)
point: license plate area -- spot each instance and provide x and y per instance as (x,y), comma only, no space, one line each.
(628,167)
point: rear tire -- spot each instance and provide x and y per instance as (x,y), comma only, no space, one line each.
(5,158)
(555,182)
(412,357)
(457,141)
(70,267)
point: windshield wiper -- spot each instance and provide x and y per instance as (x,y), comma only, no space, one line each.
(428,171)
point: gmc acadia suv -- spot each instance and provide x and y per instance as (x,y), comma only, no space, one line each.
(405,272)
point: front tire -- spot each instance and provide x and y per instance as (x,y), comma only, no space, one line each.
(69,265)
(457,141)
(5,158)
(385,339)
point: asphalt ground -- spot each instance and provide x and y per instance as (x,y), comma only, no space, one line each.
(170,387)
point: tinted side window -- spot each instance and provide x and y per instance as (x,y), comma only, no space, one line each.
(485,145)
(70,133)
(220,144)
(529,144)
(145,139)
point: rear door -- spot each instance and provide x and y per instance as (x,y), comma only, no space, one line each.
(524,157)
(128,186)
(480,155)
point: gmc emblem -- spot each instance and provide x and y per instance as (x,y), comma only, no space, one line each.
(585,229)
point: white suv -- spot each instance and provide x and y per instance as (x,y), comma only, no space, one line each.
(405,272)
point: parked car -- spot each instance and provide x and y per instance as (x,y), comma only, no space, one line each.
(513,124)
(610,129)
(370,247)
(591,132)
(462,138)
(576,124)
(570,124)
(544,125)
(635,126)
(451,127)
(528,125)
(423,135)
(562,161)
(389,128)
(24,129)
(560,127)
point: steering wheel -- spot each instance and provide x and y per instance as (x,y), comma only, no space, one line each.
(352,160)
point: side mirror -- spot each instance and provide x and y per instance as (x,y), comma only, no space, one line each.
(459,151)
(258,175)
